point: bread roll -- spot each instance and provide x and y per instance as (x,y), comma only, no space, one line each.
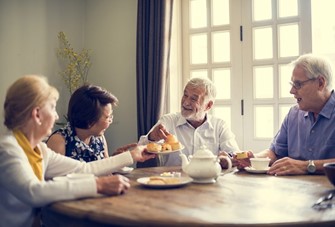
(175,146)
(166,147)
(154,147)
(171,139)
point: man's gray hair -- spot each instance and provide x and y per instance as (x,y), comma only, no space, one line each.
(315,66)
(210,89)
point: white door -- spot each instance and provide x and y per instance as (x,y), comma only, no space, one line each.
(244,46)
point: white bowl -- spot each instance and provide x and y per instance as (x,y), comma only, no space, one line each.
(259,163)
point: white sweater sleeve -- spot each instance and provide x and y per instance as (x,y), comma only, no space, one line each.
(18,181)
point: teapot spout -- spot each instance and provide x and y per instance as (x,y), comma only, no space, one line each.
(184,161)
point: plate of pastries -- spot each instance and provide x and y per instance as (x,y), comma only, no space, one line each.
(163,182)
(170,145)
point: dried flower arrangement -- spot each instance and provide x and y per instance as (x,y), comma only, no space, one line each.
(76,65)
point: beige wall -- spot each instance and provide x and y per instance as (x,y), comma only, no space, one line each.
(28,39)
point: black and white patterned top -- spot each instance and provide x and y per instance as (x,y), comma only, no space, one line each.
(77,149)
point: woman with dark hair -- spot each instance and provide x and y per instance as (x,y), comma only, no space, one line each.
(90,112)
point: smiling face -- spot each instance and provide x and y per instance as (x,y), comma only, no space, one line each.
(194,106)
(106,118)
(308,95)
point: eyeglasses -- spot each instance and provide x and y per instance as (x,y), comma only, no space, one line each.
(298,84)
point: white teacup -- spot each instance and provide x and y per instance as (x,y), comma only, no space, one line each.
(260,163)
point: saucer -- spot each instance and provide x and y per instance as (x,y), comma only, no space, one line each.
(204,181)
(252,170)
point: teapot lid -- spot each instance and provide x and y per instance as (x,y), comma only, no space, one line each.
(203,152)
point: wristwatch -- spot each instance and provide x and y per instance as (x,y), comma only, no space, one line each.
(311,168)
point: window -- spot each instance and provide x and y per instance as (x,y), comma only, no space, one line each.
(245,46)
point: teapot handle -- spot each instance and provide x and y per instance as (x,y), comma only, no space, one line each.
(230,164)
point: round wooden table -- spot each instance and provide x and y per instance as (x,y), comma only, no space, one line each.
(236,199)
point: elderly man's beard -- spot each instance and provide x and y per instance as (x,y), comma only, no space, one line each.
(192,115)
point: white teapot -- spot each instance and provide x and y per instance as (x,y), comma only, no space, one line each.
(204,166)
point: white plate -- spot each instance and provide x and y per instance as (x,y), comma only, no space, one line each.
(166,152)
(252,170)
(125,170)
(183,181)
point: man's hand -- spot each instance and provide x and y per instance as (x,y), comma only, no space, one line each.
(288,166)
(158,133)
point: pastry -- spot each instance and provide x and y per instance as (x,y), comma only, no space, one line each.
(166,147)
(175,146)
(163,180)
(171,139)
(242,155)
(154,147)
(156,180)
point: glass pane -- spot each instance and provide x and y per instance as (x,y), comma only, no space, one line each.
(220,9)
(263,43)
(223,112)
(323,28)
(287,8)
(288,36)
(198,13)
(285,73)
(221,78)
(263,122)
(199,49)
(283,110)
(262,10)
(263,82)
(199,73)
(221,46)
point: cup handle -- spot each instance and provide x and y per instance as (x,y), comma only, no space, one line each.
(230,164)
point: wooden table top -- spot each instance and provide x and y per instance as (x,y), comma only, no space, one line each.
(236,199)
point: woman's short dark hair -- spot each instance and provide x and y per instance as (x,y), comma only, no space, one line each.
(86,105)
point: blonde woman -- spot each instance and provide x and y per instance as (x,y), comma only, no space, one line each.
(27,164)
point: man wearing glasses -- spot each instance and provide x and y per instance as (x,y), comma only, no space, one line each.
(306,139)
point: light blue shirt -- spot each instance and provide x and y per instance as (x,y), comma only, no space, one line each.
(214,133)
(302,138)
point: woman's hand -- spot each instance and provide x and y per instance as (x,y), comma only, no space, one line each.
(112,185)
(125,148)
(140,154)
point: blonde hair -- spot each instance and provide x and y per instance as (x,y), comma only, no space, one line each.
(23,96)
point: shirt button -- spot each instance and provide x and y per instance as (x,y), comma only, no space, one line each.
(310,149)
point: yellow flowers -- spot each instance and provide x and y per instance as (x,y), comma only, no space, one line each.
(75,65)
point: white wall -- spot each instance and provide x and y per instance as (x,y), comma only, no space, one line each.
(28,40)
